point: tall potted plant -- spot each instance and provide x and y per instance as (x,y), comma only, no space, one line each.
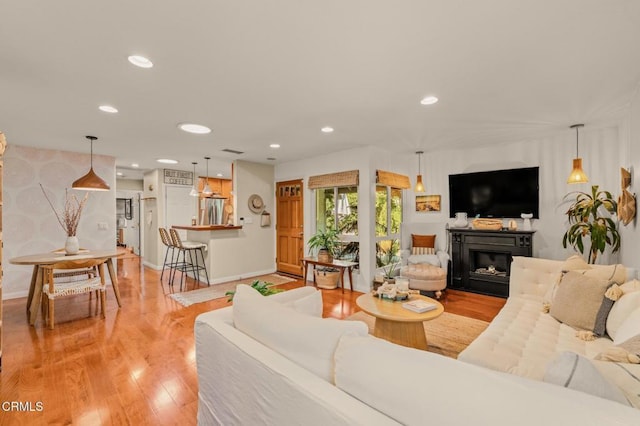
(326,242)
(586,221)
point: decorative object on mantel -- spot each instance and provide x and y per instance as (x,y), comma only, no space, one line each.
(513,225)
(586,221)
(626,200)
(461,220)
(256,204)
(419,185)
(427,203)
(527,221)
(69,218)
(91,181)
(577,175)
(487,224)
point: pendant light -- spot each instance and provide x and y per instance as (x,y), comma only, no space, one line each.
(419,185)
(577,174)
(207,189)
(91,181)
(194,191)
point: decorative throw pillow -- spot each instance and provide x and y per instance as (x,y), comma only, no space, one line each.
(621,310)
(573,371)
(629,328)
(628,351)
(579,302)
(575,263)
(423,244)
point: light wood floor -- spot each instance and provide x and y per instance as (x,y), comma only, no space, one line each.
(137,366)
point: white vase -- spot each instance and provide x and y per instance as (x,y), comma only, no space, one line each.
(461,220)
(72,245)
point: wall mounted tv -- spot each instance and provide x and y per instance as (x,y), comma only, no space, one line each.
(497,193)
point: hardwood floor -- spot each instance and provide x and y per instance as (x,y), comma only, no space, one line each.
(137,366)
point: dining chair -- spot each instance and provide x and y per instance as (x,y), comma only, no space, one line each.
(60,286)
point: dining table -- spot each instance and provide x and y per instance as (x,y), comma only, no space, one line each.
(42,259)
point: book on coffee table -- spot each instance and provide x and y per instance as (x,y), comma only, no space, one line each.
(419,306)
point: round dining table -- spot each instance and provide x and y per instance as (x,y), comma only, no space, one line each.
(41,259)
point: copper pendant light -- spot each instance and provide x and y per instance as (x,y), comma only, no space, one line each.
(419,185)
(577,175)
(91,181)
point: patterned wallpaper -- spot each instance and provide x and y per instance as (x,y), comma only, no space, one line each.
(30,225)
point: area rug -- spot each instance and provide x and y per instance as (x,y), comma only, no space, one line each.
(447,335)
(216,291)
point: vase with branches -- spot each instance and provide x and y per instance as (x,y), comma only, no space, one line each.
(590,217)
(69,217)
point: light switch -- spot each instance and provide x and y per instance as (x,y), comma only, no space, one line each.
(248,220)
(103,226)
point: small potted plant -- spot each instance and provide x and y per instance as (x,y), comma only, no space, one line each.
(263,287)
(326,242)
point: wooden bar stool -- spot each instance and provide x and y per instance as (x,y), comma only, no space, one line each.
(167,241)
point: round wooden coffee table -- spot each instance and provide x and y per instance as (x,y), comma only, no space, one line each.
(397,324)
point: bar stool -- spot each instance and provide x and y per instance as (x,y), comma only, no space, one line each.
(192,249)
(166,240)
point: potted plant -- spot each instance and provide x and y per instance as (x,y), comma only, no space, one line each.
(327,242)
(263,287)
(585,220)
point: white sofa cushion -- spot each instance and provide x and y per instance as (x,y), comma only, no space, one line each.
(310,304)
(573,371)
(629,328)
(621,310)
(416,388)
(308,341)
(522,340)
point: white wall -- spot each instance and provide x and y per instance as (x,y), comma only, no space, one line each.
(29,224)
(629,234)
(129,184)
(354,159)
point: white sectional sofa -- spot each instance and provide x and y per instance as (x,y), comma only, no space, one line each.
(274,361)
(523,339)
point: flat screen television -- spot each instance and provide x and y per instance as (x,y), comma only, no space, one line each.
(497,193)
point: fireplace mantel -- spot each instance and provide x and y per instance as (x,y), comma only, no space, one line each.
(481,260)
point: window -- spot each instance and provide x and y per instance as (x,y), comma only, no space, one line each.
(388,222)
(338,208)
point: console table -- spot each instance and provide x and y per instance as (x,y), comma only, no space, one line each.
(341,265)
(481,260)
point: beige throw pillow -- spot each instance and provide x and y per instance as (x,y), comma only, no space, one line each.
(578,301)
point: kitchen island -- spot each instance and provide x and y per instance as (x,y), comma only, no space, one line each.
(227,251)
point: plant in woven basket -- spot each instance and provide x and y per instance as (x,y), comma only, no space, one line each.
(263,287)
(69,218)
(326,240)
(586,221)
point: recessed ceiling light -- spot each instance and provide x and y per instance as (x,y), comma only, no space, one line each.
(108,108)
(140,61)
(274,145)
(327,129)
(429,100)
(166,161)
(219,174)
(194,128)
(135,165)
(119,174)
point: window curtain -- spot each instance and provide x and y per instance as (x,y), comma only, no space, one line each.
(393,180)
(331,180)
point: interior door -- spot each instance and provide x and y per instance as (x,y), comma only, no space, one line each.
(289,227)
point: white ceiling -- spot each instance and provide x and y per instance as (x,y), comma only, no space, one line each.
(261,72)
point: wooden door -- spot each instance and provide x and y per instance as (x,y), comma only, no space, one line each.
(289,227)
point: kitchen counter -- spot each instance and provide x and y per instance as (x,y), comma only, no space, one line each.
(206,227)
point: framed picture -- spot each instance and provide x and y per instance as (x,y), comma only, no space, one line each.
(427,203)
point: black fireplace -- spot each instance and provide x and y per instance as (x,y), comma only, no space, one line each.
(481,260)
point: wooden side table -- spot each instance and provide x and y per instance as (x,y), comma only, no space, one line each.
(397,324)
(341,265)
